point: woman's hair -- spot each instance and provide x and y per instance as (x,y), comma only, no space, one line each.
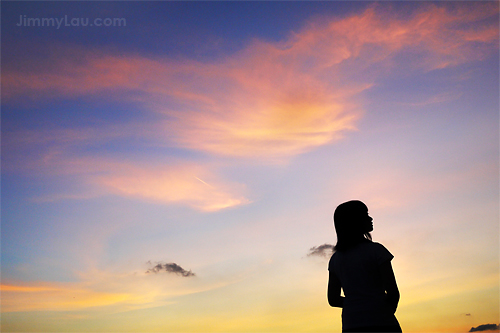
(347,220)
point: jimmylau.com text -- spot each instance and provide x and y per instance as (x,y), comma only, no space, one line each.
(59,22)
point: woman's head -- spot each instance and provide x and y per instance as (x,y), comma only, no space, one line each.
(352,224)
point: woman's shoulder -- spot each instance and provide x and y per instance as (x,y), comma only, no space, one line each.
(334,255)
(374,246)
(377,245)
(380,251)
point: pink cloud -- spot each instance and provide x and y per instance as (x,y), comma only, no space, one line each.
(186,184)
(276,100)
(170,181)
(268,102)
(182,183)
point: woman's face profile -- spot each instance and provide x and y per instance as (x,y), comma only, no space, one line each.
(365,221)
(368,222)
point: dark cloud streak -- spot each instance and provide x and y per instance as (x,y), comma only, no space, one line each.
(324,250)
(484,327)
(170,268)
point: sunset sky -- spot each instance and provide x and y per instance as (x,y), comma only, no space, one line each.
(173,174)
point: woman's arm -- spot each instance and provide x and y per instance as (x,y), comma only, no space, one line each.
(390,286)
(333,294)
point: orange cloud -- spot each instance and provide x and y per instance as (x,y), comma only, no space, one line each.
(276,100)
(186,184)
(169,181)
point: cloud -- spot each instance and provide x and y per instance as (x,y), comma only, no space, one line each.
(170,268)
(273,100)
(187,184)
(162,181)
(268,102)
(485,327)
(439,98)
(325,250)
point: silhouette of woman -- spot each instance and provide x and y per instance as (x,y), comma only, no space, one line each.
(363,270)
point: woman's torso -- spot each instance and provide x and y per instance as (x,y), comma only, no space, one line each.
(358,271)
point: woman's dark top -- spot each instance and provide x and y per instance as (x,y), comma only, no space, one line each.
(357,269)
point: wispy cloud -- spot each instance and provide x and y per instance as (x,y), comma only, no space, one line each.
(185,183)
(270,101)
(181,183)
(170,268)
(439,98)
(273,100)
(325,250)
(161,180)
